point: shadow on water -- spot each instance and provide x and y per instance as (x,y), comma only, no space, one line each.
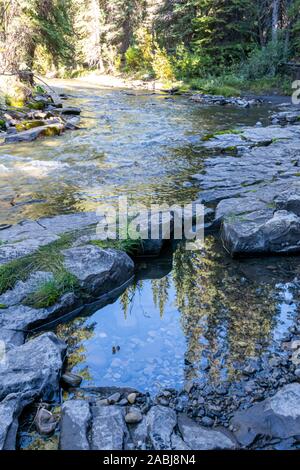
(188,316)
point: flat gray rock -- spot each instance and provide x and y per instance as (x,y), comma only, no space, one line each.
(98,270)
(74,426)
(161,422)
(139,434)
(199,438)
(109,428)
(28,236)
(276,417)
(178,443)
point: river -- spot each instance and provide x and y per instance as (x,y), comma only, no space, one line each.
(188,315)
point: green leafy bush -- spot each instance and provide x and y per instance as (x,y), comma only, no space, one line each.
(264,62)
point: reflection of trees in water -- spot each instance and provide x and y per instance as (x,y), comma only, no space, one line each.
(75,333)
(224,316)
(127,298)
(212,299)
(160,292)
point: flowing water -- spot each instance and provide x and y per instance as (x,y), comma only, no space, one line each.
(189,315)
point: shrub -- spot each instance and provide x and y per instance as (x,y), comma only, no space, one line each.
(264,62)
(134,59)
(161,64)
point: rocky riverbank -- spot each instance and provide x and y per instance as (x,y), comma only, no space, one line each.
(251,179)
(58,267)
(43,116)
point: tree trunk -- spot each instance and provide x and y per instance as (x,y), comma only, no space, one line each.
(275,19)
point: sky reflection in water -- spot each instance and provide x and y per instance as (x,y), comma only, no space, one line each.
(200,322)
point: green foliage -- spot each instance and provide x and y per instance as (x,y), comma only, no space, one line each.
(146,56)
(39,89)
(225,132)
(36,105)
(15,101)
(51,291)
(264,62)
(54,28)
(223,85)
(161,64)
(26,125)
(187,64)
(47,258)
(130,246)
(135,61)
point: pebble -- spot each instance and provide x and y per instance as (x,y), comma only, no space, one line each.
(123,402)
(103,402)
(131,398)
(188,387)
(44,422)
(133,417)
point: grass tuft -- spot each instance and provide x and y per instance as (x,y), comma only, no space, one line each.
(48,258)
(130,246)
(50,291)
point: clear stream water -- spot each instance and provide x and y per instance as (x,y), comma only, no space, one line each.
(189,315)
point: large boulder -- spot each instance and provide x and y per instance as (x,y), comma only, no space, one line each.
(74,426)
(199,438)
(276,417)
(98,270)
(260,233)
